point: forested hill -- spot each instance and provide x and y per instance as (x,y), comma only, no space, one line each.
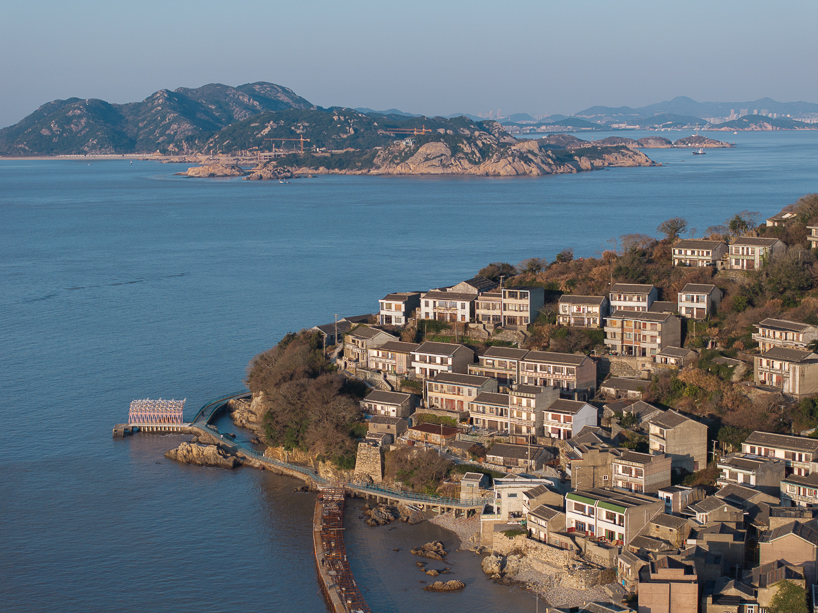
(167,121)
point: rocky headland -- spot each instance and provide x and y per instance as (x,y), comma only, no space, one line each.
(202,455)
(209,171)
(696,142)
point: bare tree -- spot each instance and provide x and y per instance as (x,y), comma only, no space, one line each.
(673,227)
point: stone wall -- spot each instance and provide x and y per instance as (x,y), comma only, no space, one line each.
(623,366)
(368,463)
(560,567)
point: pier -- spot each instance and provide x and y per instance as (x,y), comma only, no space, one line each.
(335,576)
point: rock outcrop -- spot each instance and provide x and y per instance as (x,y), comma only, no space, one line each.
(700,142)
(433,551)
(248,413)
(202,455)
(213,170)
(655,142)
(445,586)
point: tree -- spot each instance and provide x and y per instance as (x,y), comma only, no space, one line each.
(743,222)
(673,227)
(495,270)
(636,242)
(790,598)
(532,265)
(566,255)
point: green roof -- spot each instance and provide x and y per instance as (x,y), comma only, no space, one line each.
(577,497)
(611,507)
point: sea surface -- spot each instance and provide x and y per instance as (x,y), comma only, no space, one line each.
(123,281)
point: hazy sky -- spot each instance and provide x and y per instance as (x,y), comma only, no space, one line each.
(441,57)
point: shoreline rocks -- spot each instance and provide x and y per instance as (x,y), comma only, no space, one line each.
(445,586)
(208,171)
(433,551)
(202,455)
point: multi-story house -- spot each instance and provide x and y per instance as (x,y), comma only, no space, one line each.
(526,406)
(642,334)
(489,410)
(679,437)
(455,303)
(397,308)
(698,252)
(749,253)
(447,306)
(360,340)
(389,404)
(669,585)
(793,543)
(575,375)
(610,514)
(780,219)
(488,308)
(640,472)
(544,520)
(772,332)
(796,451)
(699,300)
(521,305)
(565,418)
(582,311)
(332,333)
(798,491)
(431,358)
(812,237)
(454,391)
(792,371)
(502,363)
(632,297)
(392,357)
(518,458)
(751,470)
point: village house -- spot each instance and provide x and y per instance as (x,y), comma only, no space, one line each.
(749,253)
(698,252)
(360,340)
(582,311)
(472,486)
(397,308)
(454,391)
(678,497)
(640,472)
(431,358)
(780,219)
(750,470)
(729,596)
(609,514)
(590,466)
(766,580)
(798,491)
(488,308)
(668,585)
(713,510)
(755,503)
(432,434)
(526,406)
(447,306)
(794,543)
(388,404)
(699,300)
(332,333)
(392,357)
(455,303)
(675,357)
(563,418)
(681,438)
(642,413)
(641,334)
(489,411)
(796,451)
(574,375)
(386,430)
(521,305)
(812,237)
(501,363)
(623,387)
(664,306)
(508,496)
(632,297)
(725,540)
(792,371)
(523,457)
(544,521)
(772,332)
(627,570)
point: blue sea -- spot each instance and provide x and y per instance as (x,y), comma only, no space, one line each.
(123,281)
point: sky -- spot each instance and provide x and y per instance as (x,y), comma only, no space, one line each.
(431,57)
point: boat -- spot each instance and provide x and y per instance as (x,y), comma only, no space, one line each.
(699,152)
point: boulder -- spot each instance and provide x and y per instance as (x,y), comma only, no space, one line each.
(445,586)
(433,551)
(493,564)
(202,455)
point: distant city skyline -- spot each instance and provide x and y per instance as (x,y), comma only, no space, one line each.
(540,58)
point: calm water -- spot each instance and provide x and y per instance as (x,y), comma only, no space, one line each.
(122,281)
